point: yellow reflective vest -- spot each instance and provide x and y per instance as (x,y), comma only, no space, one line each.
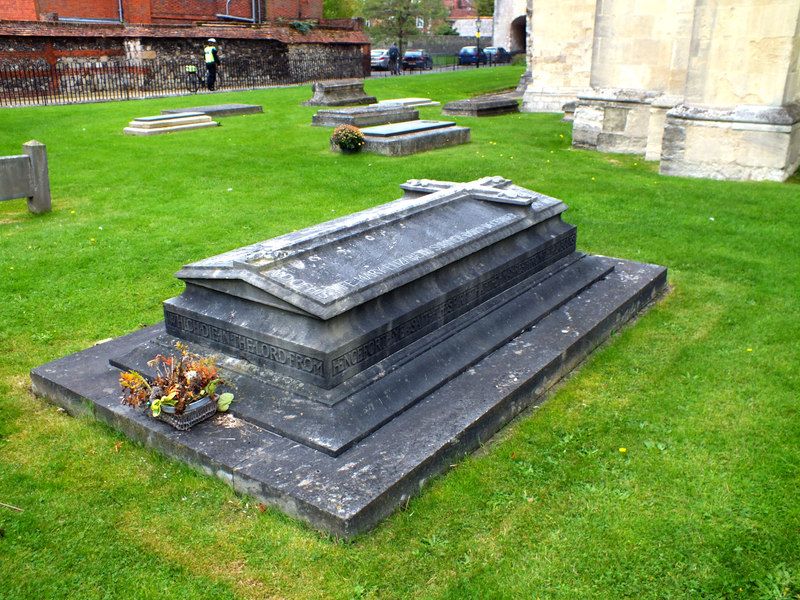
(209,52)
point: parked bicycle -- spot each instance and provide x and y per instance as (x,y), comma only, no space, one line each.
(194,81)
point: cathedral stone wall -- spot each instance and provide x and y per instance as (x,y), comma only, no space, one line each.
(710,88)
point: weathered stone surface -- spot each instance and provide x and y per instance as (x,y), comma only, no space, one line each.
(218,110)
(350,493)
(739,145)
(27,176)
(393,129)
(159,124)
(612,121)
(481,306)
(364,116)
(408,102)
(401,139)
(482,107)
(339,93)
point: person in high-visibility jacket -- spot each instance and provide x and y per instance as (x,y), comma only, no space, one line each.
(212,60)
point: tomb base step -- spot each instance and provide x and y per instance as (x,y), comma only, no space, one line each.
(350,493)
(362,404)
(160,130)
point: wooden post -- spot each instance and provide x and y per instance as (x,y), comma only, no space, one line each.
(39,200)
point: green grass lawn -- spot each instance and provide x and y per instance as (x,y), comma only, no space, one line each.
(702,393)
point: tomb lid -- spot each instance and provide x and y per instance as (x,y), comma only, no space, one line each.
(405,127)
(178,115)
(330,268)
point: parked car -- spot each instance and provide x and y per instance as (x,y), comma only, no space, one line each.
(417,59)
(469,55)
(497,55)
(379,59)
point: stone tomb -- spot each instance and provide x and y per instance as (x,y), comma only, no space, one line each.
(482,107)
(400,139)
(340,92)
(370,352)
(408,102)
(364,116)
(219,110)
(168,123)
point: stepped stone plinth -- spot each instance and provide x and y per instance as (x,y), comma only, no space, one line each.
(370,352)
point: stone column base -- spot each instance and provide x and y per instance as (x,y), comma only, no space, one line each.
(613,121)
(543,100)
(746,143)
(655,129)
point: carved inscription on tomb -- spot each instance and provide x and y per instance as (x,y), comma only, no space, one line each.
(253,350)
(385,343)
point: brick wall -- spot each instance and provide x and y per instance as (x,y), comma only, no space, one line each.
(18,10)
(159,11)
(176,11)
(85,9)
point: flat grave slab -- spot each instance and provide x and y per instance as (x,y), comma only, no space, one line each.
(340,92)
(406,127)
(408,102)
(364,116)
(370,352)
(482,107)
(159,124)
(181,114)
(218,110)
(400,139)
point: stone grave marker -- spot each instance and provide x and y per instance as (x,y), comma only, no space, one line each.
(364,116)
(218,110)
(410,137)
(340,92)
(408,102)
(482,107)
(159,124)
(370,352)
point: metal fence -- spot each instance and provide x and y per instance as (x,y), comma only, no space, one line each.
(38,83)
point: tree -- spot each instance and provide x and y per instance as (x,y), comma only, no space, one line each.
(341,9)
(485,8)
(397,19)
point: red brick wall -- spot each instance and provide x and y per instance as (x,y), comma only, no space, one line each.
(158,11)
(84,9)
(176,11)
(18,10)
(137,11)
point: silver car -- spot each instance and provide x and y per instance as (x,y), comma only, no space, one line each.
(379,59)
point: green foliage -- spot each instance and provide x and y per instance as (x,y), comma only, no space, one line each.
(303,26)
(395,20)
(518,60)
(342,9)
(224,401)
(445,28)
(486,8)
(701,391)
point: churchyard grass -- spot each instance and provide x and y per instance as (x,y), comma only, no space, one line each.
(667,466)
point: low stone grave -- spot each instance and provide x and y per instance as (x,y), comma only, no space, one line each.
(370,352)
(409,102)
(482,107)
(169,123)
(364,116)
(218,110)
(400,139)
(340,92)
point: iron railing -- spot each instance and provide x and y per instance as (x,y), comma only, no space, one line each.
(38,83)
